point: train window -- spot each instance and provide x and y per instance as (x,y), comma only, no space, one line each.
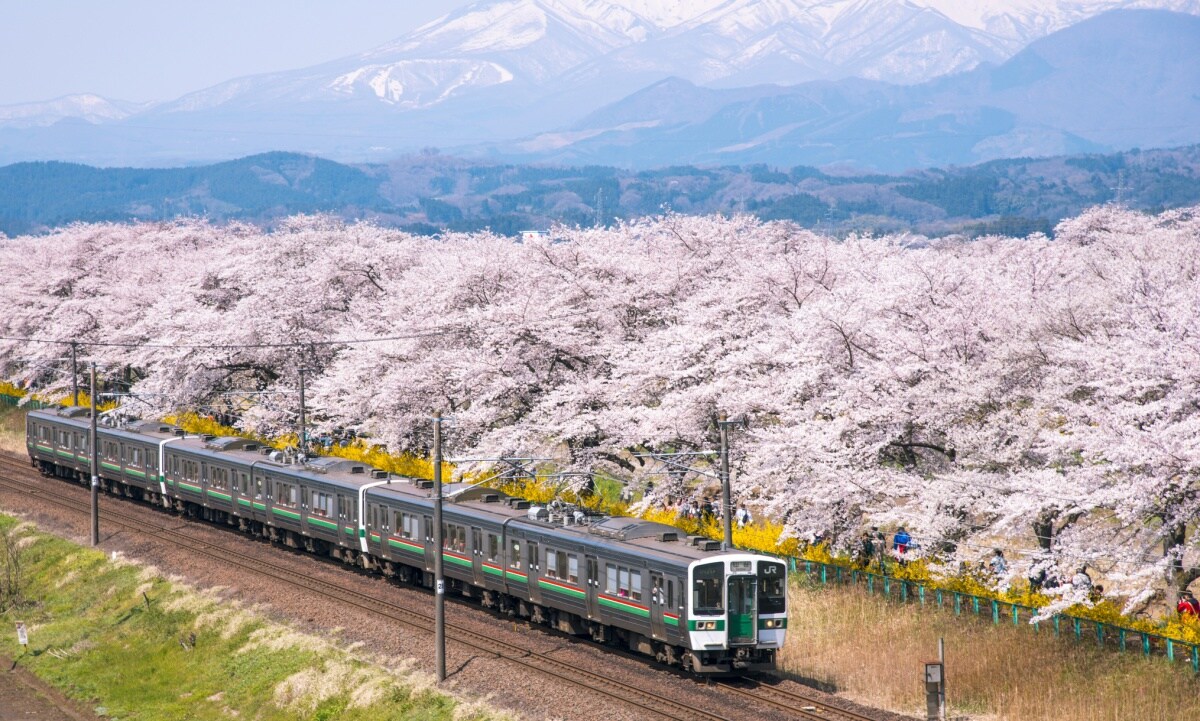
(454,537)
(573,568)
(551,563)
(244,482)
(81,442)
(670,593)
(533,557)
(111,451)
(610,579)
(44,433)
(217,478)
(322,504)
(343,507)
(706,589)
(772,587)
(477,540)
(285,494)
(64,439)
(493,547)
(635,585)
(514,555)
(410,525)
(562,566)
(137,457)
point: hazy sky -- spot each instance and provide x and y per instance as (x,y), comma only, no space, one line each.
(160,49)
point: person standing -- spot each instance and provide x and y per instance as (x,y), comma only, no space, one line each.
(1188,607)
(997,563)
(901,541)
(866,550)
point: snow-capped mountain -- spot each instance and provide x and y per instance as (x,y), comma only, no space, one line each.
(499,69)
(605,49)
(88,108)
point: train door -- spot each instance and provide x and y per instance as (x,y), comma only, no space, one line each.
(658,600)
(743,597)
(477,554)
(534,569)
(593,586)
(430,551)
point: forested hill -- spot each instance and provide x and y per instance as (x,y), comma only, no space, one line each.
(429,193)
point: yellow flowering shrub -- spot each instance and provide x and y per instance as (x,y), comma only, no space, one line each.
(85,399)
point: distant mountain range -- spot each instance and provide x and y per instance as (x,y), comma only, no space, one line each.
(428,193)
(698,81)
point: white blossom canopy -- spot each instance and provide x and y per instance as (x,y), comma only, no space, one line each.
(1041,395)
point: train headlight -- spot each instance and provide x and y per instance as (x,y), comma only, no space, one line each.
(706,625)
(773,623)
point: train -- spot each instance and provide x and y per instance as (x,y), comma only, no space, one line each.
(621,581)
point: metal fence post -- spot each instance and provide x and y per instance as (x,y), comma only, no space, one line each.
(975,604)
(1100,634)
(823,567)
(1078,629)
(921,593)
(1195,660)
(939,597)
(887,586)
(1170,650)
(904,591)
(871,583)
(1016,615)
(1056,629)
(995,612)
(957,603)
(1121,639)
(1145,644)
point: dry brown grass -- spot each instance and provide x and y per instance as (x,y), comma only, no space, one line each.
(872,651)
(12,429)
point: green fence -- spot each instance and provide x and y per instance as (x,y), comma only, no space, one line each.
(1080,629)
(14,401)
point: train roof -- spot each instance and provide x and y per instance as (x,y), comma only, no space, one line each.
(663,542)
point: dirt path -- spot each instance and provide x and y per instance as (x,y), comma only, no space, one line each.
(23,697)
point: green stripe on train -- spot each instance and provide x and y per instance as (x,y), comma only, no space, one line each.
(720,624)
(565,590)
(322,523)
(627,608)
(286,514)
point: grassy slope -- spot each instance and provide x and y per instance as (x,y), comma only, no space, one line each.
(192,655)
(873,651)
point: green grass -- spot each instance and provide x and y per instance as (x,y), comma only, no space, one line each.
(189,654)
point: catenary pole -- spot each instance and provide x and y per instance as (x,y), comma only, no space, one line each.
(438,578)
(302,444)
(74,376)
(95,467)
(726,503)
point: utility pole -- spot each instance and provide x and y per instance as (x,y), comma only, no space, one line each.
(74,376)
(439,579)
(95,467)
(726,512)
(726,494)
(302,443)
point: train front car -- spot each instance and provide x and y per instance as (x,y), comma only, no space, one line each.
(737,613)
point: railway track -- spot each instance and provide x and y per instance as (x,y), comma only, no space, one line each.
(16,474)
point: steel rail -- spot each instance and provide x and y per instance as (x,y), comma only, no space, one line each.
(488,645)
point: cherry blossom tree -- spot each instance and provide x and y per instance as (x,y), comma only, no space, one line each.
(1034,394)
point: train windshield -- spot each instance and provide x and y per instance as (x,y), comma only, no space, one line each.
(772,587)
(707,585)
